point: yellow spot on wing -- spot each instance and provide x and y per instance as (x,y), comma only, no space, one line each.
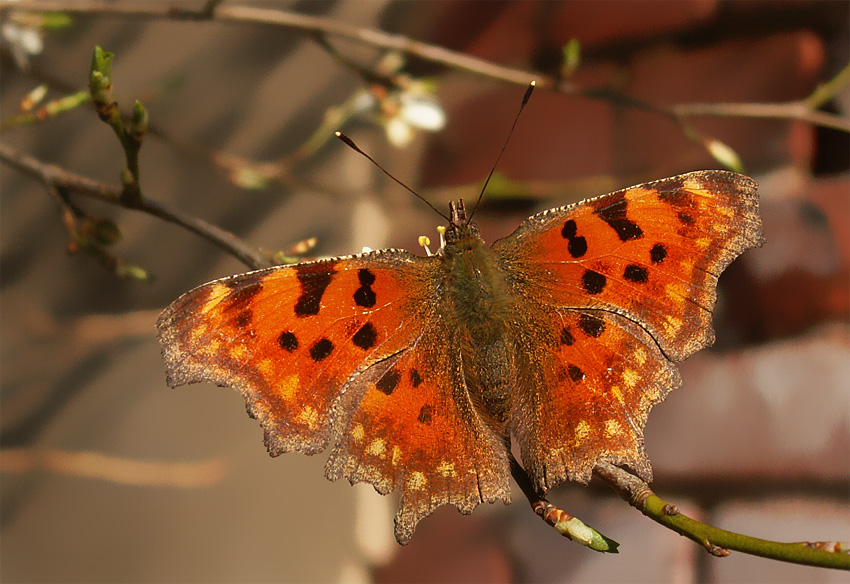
(211,346)
(618,395)
(631,377)
(416,481)
(612,428)
(673,324)
(239,352)
(378,447)
(199,330)
(217,292)
(676,292)
(639,356)
(582,431)
(309,417)
(288,385)
(266,367)
(447,469)
(358,432)
(396,455)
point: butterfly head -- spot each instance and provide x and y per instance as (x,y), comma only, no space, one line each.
(459,225)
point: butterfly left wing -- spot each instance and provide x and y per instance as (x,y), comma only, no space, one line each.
(615,289)
(351,350)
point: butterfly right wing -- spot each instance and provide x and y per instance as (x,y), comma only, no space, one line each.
(613,291)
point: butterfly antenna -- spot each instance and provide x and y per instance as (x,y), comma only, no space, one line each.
(354,147)
(489,176)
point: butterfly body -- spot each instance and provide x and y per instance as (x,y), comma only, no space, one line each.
(422,370)
(478,304)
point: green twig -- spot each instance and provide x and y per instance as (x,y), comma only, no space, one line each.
(49,110)
(131,134)
(716,541)
(567,525)
(827,91)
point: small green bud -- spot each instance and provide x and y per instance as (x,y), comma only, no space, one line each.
(139,121)
(248,178)
(101,61)
(55,20)
(106,232)
(135,272)
(725,155)
(127,178)
(571,57)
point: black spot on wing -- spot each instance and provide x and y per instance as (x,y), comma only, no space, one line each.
(389,382)
(576,244)
(591,325)
(614,214)
(425,414)
(314,280)
(365,337)
(636,274)
(575,373)
(658,253)
(288,341)
(567,337)
(593,282)
(364,295)
(415,378)
(321,349)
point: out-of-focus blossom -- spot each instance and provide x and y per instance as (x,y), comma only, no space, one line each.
(415,112)
(403,111)
(24,30)
(23,42)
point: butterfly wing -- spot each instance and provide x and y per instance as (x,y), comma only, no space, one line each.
(616,289)
(416,427)
(351,350)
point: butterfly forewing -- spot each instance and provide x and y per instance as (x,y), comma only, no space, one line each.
(651,252)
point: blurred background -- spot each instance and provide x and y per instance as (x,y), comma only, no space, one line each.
(109,475)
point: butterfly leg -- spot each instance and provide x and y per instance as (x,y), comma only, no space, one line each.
(564,523)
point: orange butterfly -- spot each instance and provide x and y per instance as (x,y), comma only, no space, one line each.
(422,370)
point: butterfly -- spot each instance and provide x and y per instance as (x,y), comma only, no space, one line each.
(419,373)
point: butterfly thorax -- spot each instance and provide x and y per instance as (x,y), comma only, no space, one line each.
(479,305)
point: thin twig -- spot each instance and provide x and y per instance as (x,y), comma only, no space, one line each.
(793,110)
(126,471)
(64,179)
(716,541)
(435,54)
(567,525)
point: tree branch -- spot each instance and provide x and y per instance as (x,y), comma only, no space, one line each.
(185,475)
(803,110)
(716,541)
(60,178)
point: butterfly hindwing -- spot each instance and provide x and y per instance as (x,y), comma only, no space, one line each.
(415,427)
(598,375)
